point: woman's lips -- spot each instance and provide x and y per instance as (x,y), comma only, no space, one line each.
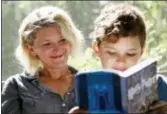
(57,56)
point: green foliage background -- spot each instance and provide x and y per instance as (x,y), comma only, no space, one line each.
(83,14)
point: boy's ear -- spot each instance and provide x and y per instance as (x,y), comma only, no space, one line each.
(95,48)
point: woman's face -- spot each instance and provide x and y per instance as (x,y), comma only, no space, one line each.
(50,47)
(120,55)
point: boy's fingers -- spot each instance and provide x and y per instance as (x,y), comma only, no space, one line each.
(76,110)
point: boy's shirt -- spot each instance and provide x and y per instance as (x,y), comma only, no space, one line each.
(162,87)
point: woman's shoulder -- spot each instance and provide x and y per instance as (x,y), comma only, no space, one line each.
(11,79)
(10,84)
(16,79)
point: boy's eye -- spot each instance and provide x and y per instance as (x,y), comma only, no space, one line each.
(111,53)
(63,40)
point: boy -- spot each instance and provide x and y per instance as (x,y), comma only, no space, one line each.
(120,36)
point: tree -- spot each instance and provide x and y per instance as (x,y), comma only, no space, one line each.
(156,21)
(83,13)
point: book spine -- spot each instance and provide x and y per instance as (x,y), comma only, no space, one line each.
(124,94)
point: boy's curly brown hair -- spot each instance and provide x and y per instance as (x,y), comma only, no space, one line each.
(119,21)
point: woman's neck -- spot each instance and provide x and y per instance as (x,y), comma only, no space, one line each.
(59,80)
(56,73)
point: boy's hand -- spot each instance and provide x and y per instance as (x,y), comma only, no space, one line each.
(76,110)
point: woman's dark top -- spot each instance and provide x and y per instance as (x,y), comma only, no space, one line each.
(24,94)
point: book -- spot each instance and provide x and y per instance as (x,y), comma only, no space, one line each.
(130,91)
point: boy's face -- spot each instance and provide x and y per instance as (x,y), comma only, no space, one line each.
(122,54)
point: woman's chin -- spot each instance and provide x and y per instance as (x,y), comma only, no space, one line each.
(59,64)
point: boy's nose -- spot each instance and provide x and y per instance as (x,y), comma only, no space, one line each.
(120,63)
(120,66)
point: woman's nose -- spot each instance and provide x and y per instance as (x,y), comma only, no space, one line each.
(55,47)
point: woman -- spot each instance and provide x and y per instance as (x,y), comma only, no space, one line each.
(47,38)
(120,36)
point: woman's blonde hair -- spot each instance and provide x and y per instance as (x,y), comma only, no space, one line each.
(45,16)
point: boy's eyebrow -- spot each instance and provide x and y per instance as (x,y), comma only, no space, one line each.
(109,47)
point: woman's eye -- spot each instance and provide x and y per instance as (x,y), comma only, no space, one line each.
(62,41)
(46,44)
(131,54)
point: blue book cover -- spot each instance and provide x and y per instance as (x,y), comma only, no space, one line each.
(110,91)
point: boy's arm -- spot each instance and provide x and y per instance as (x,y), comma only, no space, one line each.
(159,107)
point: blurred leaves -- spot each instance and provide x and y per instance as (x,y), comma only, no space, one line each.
(83,13)
(156,20)
(88,61)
